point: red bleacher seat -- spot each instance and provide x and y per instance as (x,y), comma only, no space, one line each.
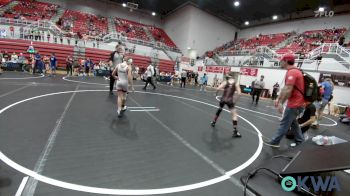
(81,22)
(160,35)
(4,2)
(21,46)
(131,29)
(32,10)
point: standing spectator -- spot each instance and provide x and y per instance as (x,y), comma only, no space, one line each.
(48,36)
(327,89)
(53,64)
(69,65)
(87,65)
(196,79)
(318,60)
(38,63)
(12,31)
(257,88)
(68,40)
(204,82)
(21,32)
(61,38)
(276,89)
(150,73)
(42,35)
(294,85)
(21,60)
(55,39)
(46,61)
(261,60)
(301,60)
(183,79)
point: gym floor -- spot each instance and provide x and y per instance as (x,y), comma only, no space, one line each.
(67,130)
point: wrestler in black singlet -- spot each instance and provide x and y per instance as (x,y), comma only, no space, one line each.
(227,97)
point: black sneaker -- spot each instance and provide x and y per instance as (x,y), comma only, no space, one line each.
(236,134)
(212,124)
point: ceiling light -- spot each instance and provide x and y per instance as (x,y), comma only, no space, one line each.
(153,13)
(236,3)
(274,17)
(321,9)
(246,23)
(124,4)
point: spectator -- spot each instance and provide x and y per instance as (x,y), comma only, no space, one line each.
(327,87)
(12,31)
(14,57)
(257,89)
(6,56)
(183,78)
(204,82)
(38,64)
(276,89)
(294,80)
(53,64)
(149,73)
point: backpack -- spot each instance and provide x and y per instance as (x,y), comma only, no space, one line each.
(311,89)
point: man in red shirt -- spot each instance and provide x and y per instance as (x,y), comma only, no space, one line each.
(292,91)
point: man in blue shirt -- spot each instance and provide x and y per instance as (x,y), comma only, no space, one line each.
(53,64)
(204,82)
(87,65)
(38,63)
(327,88)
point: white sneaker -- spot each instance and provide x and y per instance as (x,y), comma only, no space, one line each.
(124,108)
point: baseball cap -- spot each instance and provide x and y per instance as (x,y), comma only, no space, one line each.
(290,58)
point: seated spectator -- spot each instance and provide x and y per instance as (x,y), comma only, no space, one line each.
(14,57)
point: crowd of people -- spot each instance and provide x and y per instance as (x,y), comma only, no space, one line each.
(31,10)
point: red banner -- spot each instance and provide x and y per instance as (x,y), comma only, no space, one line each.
(249,71)
(217,69)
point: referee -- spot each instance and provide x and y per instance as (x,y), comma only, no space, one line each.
(115,58)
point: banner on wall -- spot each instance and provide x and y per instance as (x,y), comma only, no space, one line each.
(249,71)
(217,69)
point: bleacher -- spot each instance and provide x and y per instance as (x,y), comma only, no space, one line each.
(310,40)
(97,55)
(32,10)
(161,36)
(21,46)
(4,2)
(85,23)
(131,29)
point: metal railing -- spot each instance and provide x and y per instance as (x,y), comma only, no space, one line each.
(330,48)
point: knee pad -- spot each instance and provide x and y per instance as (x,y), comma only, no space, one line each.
(218,112)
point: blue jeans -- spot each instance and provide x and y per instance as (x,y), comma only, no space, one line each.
(289,120)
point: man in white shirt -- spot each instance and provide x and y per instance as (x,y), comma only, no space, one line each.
(149,74)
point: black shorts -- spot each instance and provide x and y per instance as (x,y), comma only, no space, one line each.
(229,104)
